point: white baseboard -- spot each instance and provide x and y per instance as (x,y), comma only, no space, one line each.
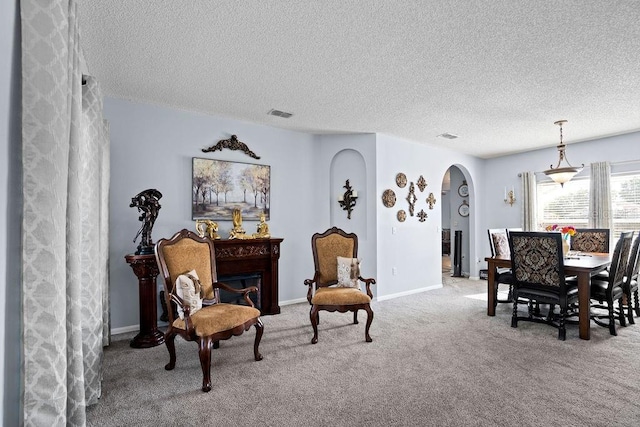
(125,329)
(293,301)
(411,292)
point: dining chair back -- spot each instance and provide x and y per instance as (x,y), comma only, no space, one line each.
(630,284)
(606,292)
(499,245)
(538,269)
(591,240)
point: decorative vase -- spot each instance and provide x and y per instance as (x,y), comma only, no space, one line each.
(565,245)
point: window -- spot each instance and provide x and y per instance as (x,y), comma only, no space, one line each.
(568,205)
(625,201)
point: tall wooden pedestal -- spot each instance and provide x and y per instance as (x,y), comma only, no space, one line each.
(146,269)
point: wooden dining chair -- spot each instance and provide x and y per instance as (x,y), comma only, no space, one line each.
(537,263)
(630,283)
(591,240)
(499,245)
(607,292)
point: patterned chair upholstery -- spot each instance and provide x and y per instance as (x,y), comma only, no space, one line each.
(324,292)
(538,270)
(607,292)
(499,245)
(630,284)
(215,321)
(590,240)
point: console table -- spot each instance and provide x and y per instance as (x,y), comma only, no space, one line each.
(252,256)
(146,270)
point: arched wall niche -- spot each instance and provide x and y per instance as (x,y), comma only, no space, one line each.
(349,164)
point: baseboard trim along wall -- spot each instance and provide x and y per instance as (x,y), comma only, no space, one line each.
(133,328)
(411,292)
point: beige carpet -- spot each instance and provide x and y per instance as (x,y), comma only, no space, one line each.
(436,359)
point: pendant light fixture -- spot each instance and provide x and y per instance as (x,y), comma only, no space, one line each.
(565,173)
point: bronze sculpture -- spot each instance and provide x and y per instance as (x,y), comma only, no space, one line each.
(147,202)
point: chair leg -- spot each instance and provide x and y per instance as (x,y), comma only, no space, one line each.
(637,303)
(259,330)
(562,330)
(169,340)
(204,351)
(355,317)
(514,315)
(314,322)
(367,337)
(612,319)
(623,321)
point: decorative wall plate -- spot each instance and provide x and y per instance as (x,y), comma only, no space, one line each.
(463,209)
(401,180)
(463,190)
(431,200)
(402,215)
(388,198)
(422,184)
(411,198)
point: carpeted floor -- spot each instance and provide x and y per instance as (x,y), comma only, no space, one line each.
(436,359)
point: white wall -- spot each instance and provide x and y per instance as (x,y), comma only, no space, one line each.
(414,250)
(10,214)
(503,172)
(152,147)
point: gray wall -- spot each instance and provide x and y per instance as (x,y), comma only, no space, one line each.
(10,213)
(152,147)
(503,172)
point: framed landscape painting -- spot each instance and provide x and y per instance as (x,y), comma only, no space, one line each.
(219,187)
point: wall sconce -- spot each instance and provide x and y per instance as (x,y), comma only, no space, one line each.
(348,200)
(510,196)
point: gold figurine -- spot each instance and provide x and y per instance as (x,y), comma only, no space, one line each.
(237,232)
(207,227)
(263,228)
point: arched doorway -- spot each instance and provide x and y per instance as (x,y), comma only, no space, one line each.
(455,218)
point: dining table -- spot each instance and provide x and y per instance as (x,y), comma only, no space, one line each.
(582,265)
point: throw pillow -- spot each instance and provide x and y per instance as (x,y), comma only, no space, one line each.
(188,288)
(348,272)
(501,245)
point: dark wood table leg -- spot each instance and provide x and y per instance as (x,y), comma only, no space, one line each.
(146,270)
(491,290)
(584,305)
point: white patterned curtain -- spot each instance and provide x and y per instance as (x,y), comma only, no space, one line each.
(600,208)
(65,153)
(528,191)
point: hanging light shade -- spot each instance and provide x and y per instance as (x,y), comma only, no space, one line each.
(565,173)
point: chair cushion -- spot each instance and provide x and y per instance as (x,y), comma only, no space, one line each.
(339,296)
(219,317)
(599,290)
(348,272)
(189,289)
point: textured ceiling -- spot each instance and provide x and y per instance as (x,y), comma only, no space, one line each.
(497,73)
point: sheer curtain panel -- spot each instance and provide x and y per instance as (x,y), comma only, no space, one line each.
(528,191)
(600,210)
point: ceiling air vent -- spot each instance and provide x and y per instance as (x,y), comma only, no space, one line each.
(279,113)
(448,135)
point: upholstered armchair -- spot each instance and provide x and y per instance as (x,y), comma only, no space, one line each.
(336,282)
(188,267)
(538,270)
(590,240)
